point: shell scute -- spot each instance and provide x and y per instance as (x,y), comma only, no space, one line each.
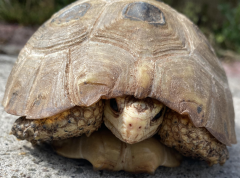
(142,11)
(72,13)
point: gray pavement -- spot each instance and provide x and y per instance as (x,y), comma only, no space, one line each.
(21,159)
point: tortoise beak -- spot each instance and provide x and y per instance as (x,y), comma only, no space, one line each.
(130,129)
(134,129)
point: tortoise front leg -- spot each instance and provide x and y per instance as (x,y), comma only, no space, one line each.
(177,131)
(71,123)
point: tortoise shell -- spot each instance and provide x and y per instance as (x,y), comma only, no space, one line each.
(101,49)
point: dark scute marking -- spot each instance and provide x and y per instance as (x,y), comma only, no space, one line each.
(73,13)
(199,109)
(142,11)
(158,115)
(13,98)
(38,100)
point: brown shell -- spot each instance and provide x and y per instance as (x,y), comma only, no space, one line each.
(95,49)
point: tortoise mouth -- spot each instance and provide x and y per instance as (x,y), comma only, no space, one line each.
(126,136)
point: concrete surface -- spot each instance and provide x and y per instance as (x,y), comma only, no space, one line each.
(20,159)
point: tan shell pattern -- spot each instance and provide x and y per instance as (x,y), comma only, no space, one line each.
(100,49)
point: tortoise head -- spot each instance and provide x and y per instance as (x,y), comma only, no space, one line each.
(133,120)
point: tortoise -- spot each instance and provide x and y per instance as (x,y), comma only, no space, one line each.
(140,68)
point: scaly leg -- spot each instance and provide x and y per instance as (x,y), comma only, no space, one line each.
(71,123)
(177,131)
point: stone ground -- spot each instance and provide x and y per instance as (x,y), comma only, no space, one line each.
(21,159)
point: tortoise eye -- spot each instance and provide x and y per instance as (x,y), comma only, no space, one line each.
(158,115)
(113,104)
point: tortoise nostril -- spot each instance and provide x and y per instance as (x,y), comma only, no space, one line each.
(140,127)
(130,125)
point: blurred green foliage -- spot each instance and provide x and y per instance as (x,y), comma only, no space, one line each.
(29,12)
(229,35)
(218,19)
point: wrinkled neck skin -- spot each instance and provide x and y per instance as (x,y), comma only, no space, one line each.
(133,120)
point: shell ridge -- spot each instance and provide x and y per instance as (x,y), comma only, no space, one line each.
(97,21)
(209,70)
(190,41)
(34,85)
(150,88)
(6,100)
(65,83)
(65,45)
(150,93)
(68,71)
